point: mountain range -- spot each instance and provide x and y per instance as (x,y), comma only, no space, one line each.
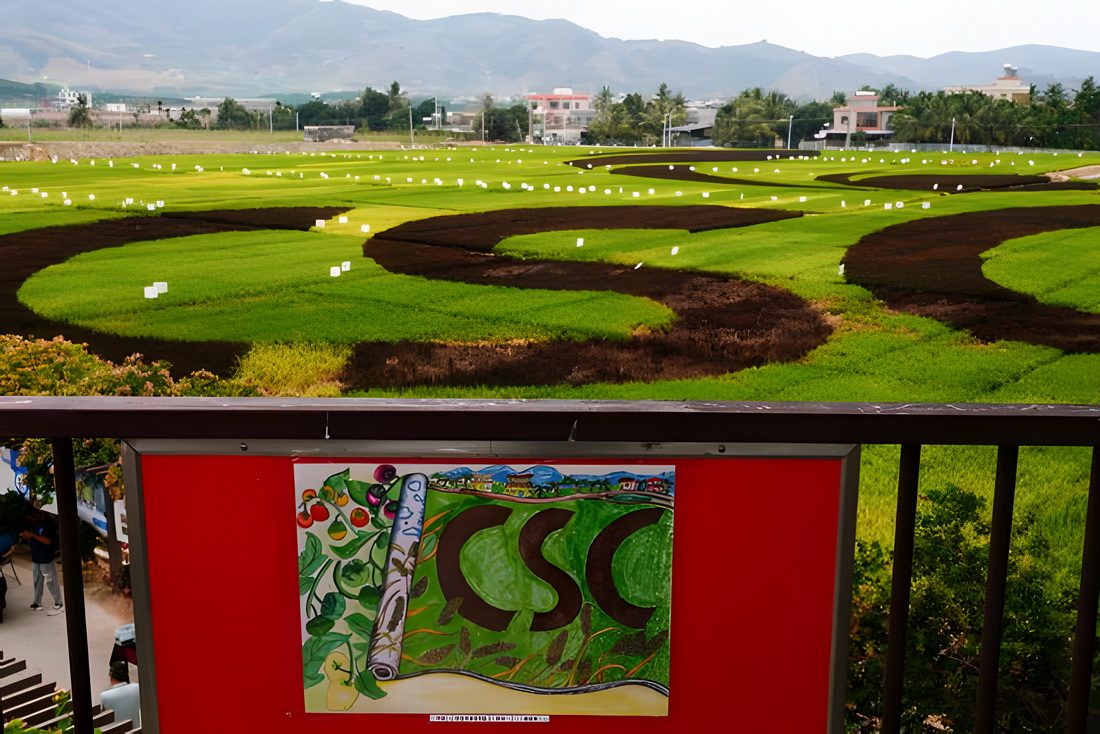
(251,48)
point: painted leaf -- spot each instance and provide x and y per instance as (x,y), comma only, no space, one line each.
(432,657)
(654,643)
(313,655)
(369,596)
(333,605)
(305,583)
(584,671)
(358,491)
(397,616)
(493,648)
(347,550)
(319,626)
(449,610)
(557,647)
(586,619)
(634,644)
(366,684)
(507,661)
(464,641)
(360,625)
(419,588)
(311,557)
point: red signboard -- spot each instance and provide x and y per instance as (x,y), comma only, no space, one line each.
(237,604)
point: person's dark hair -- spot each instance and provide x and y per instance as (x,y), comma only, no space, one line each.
(120,671)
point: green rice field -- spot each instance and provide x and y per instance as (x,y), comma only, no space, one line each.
(273,289)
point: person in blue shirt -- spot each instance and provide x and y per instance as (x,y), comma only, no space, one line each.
(43,540)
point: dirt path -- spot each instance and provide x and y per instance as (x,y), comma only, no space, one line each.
(722,325)
(931,267)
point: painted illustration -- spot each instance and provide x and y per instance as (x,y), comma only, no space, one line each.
(444,588)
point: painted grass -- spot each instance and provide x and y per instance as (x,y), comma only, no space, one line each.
(276,286)
(1060,268)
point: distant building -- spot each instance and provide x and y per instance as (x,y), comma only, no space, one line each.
(1007,87)
(69,98)
(698,127)
(560,117)
(861,115)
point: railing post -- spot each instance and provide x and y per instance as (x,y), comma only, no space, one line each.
(901,580)
(1004,495)
(72,580)
(1084,641)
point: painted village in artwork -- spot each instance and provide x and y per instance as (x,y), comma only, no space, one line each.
(546,482)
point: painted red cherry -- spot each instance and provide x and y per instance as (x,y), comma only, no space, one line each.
(390,510)
(319,512)
(304,519)
(359,517)
(385,473)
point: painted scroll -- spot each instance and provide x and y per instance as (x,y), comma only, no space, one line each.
(444,588)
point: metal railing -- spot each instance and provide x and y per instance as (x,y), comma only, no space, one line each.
(911,425)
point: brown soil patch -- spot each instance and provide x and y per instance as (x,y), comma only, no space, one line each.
(722,324)
(684,173)
(931,267)
(25,253)
(687,156)
(948,184)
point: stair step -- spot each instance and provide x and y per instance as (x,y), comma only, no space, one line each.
(10,667)
(18,682)
(31,692)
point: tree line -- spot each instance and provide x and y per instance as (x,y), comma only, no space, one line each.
(1054,119)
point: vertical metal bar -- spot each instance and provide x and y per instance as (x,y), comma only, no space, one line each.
(1004,494)
(72,577)
(1084,641)
(901,578)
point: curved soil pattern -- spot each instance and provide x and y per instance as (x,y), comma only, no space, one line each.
(948,184)
(684,173)
(25,253)
(931,267)
(722,324)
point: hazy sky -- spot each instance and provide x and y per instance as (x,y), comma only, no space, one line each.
(818,27)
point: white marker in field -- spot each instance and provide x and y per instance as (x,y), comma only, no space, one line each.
(151,291)
(580,242)
(364,228)
(675,249)
(320,223)
(334,271)
(345,266)
(637,266)
(343,220)
(161,286)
